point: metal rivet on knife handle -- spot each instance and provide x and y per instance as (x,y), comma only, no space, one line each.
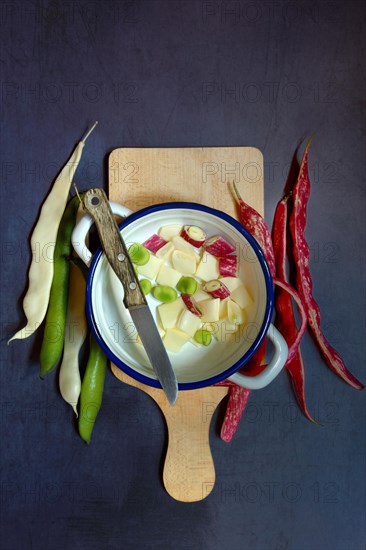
(96,203)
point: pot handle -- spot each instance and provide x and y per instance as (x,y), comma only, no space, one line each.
(273,368)
(82,228)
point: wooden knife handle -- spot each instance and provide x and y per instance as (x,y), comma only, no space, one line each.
(96,203)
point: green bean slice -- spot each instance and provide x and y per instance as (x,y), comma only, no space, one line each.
(146,286)
(187,285)
(203,337)
(164,293)
(139,254)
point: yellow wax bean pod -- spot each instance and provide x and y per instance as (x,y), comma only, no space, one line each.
(75,334)
(40,274)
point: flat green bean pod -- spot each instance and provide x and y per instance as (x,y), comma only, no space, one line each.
(54,332)
(91,390)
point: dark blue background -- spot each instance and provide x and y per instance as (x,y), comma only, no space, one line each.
(179,73)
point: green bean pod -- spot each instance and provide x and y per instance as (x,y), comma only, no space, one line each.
(91,390)
(53,338)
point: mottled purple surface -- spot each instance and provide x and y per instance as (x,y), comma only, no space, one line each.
(158,73)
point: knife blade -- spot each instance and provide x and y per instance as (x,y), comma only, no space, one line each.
(96,203)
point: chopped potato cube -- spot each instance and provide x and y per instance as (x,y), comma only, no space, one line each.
(223,308)
(210,310)
(180,244)
(201,295)
(170,312)
(241,296)
(234,313)
(174,339)
(165,251)
(207,269)
(167,232)
(150,270)
(184,263)
(188,322)
(231,282)
(168,276)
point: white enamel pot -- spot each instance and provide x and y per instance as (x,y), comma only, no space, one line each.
(195,367)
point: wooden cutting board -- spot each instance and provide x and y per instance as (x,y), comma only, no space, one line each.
(142,177)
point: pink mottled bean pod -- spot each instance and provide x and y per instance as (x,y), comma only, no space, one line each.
(255,224)
(285,320)
(237,400)
(238,397)
(301,193)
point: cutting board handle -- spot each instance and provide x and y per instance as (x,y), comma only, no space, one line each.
(189,470)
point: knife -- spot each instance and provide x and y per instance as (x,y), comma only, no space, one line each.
(96,203)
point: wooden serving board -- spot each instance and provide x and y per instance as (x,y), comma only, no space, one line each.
(142,177)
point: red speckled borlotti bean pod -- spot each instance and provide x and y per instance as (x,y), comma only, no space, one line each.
(301,193)
(238,397)
(255,224)
(295,339)
(285,320)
